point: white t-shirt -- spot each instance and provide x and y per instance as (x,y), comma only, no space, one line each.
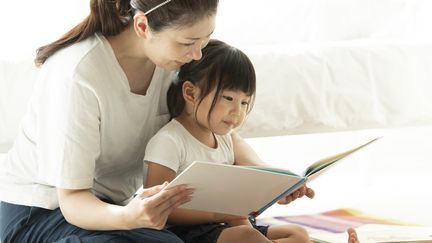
(83,129)
(174,147)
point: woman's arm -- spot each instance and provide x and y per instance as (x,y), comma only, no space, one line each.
(149,209)
(157,174)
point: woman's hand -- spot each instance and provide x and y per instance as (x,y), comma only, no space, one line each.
(302,191)
(151,207)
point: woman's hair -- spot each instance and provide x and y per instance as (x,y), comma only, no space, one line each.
(222,67)
(110,17)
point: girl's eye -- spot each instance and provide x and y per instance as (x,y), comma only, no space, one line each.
(245,103)
(229,98)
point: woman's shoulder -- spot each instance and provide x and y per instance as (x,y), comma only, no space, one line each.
(89,62)
(84,54)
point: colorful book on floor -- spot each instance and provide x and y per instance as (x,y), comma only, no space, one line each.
(247,190)
(331,226)
(380,233)
(333,221)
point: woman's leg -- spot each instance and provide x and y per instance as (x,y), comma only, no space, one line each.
(31,224)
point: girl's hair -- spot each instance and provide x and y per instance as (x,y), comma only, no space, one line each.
(110,17)
(222,67)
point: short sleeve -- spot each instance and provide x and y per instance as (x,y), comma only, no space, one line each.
(164,150)
(69,136)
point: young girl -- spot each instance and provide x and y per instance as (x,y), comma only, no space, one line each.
(209,99)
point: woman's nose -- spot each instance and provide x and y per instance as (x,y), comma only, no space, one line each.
(196,54)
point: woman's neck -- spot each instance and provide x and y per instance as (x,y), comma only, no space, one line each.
(127,44)
(202,134)
(127,47)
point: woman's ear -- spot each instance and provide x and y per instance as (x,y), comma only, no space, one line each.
(190,92)
(141,26)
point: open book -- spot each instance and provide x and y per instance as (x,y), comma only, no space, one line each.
(247,190)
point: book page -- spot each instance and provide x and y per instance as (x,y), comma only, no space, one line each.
(318,167)
(272,169)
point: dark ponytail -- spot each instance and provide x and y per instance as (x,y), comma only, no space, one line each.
(109,17)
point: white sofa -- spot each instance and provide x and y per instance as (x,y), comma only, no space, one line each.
(16,83)
(340,85)
(303,88)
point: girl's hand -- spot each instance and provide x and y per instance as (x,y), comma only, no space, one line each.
(151,207)
(302,191)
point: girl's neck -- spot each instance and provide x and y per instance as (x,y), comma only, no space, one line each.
(199,132)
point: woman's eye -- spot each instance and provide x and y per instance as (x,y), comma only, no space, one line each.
(188,44)
(229,98)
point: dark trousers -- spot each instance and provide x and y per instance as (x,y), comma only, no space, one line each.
(32,224)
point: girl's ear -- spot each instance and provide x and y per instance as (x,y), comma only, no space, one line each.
(141,26)
(190,92)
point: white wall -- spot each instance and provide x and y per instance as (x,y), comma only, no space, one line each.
(28,24)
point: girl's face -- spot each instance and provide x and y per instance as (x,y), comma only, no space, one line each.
(173,47)
(228,113)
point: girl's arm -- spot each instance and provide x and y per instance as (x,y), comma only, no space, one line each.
(157,174)
(243,152)
(245,155)
(149,209)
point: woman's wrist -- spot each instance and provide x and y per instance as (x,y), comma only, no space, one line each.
(121,219)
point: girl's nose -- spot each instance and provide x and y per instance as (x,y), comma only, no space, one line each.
(236,109)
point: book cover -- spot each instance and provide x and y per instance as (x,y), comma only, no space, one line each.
(247,190)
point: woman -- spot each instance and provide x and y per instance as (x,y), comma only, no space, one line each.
(78,158)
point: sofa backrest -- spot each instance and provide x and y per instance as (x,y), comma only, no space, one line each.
(304,88)
(16,83)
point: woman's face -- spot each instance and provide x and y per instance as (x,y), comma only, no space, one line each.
(173,47)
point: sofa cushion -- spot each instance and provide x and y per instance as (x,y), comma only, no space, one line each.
(16,83)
